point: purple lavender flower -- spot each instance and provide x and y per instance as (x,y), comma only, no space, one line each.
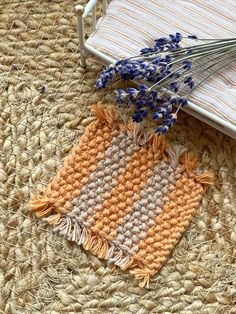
(143,89)
(105,77)
(163,44)
(134,69)
(42,89)
(176,38)
(176,101)
(187,65)
(139,115)
(165,66)
(172,47)
(156,60)
(121,95)
(133,92)
(140,103)
(157,115)
(163,111)
(170,120)
(163,63)
(183,101)
(150,50)
(168,58)
(100,84)
(189,82)
(192,37)
(162,41)
(174,86)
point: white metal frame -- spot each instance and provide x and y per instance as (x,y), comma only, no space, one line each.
(194,110)
(82,13)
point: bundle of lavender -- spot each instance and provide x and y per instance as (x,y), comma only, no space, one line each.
(170,72)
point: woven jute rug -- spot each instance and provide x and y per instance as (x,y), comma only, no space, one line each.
(44,109)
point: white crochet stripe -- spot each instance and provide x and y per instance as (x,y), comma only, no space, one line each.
(130,25)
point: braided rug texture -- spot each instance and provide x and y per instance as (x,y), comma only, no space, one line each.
(124,194)
(44,108)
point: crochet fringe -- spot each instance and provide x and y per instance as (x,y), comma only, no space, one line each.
(102,248)
(73,230)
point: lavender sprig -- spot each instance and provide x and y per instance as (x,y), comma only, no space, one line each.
(166,66)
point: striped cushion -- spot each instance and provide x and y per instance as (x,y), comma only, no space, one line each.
(133,24)
(124,195)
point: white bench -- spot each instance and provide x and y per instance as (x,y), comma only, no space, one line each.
(129,25)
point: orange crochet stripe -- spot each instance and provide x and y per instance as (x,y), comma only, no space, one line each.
(124,194)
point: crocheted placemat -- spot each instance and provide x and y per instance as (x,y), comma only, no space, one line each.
(124,194)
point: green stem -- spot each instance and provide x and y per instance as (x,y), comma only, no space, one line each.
(216,44)
(204,53)
(200,56)
(205,78)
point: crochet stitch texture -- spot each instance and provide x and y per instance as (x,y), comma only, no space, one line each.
(125,195)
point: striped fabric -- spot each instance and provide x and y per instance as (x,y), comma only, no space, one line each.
(130,25)
(123,194)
